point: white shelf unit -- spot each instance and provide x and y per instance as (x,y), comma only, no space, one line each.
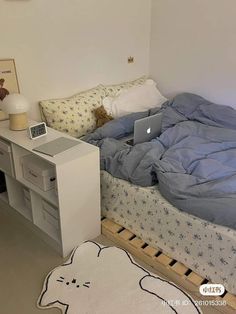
(69,216)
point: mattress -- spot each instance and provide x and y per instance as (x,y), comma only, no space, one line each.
(206,248)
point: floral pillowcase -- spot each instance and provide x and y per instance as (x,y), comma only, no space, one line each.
(113,90)
(75,115)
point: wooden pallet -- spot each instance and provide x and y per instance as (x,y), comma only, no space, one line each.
(164,264)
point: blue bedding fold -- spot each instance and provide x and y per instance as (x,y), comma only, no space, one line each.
(194,159)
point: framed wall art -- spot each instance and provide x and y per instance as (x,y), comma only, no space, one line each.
(8,81)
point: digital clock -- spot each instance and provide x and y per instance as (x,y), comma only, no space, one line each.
(37,130)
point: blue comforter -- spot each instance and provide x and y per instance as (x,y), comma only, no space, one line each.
(194,159)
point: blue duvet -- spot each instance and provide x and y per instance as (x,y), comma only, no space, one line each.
(194,159)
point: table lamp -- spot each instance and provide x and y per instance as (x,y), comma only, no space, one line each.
(16,105)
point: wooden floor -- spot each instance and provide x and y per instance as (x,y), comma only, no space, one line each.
(174,270)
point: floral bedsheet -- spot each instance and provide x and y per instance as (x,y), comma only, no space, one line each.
(206,248)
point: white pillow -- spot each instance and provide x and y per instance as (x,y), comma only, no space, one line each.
(135,99)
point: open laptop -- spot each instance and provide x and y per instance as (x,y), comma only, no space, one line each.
(145,130)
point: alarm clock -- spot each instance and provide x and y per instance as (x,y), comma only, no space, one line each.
(37,130)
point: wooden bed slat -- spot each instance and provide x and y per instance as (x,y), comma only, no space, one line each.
(112,226)
(184,276)
(126,234)
(179,268)
(150,251)
(164,259)
(230,299)
(195,278)
(137,243)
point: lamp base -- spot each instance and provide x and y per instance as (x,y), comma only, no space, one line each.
(18,122)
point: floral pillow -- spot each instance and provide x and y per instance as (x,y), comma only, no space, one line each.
(113,90)
(73,115)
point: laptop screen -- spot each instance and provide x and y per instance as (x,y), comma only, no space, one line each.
(147,128)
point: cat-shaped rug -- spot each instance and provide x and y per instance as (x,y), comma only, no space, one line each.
(106,280)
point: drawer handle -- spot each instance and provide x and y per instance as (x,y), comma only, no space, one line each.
(52,179)
(34,175)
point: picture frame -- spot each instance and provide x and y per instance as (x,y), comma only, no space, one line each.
(8,81)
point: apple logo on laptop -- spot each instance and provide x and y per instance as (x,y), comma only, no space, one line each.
(148,130)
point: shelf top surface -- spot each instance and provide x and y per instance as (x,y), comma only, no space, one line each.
(22,139)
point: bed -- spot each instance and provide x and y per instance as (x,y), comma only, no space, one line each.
(206,248)
(195,236)
(192,165)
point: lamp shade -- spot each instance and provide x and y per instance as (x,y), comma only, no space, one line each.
(14,104)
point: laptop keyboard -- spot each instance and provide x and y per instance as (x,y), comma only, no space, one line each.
(130,142)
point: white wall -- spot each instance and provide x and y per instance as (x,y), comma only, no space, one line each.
(61,47)
(193,47)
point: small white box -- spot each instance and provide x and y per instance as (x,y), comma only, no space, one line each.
(26,193)
(39,172)
(51,219)
(50,229)
(27,198)
(27,203)
(6,162)
(50,209)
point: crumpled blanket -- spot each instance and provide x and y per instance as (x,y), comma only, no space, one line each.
(193,160)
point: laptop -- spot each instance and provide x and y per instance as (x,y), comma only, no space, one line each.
(145,130)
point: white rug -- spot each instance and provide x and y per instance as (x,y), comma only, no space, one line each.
(106,280)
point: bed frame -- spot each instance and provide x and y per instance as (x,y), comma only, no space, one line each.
(171,268)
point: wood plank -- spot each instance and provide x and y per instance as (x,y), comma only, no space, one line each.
(150,251)
(111,226)
(126,234)
(161,263)
(137,243)
(230,299)
(164,259)
(195,279)
(179,268)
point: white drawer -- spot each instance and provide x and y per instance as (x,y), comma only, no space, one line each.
(6,162)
